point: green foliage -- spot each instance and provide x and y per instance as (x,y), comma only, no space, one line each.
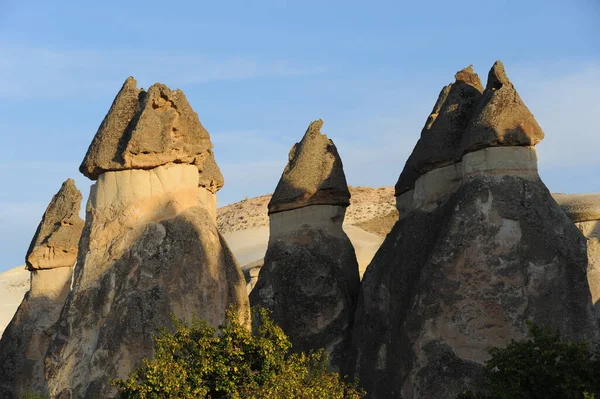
(542,366)
(32,395)
(198,361)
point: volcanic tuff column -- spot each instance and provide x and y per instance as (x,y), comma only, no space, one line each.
(584,211)
(50,259)
(484,249)
(310,276)
(150,247)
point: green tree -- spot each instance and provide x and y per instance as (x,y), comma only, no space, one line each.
(199,361)
(543,366)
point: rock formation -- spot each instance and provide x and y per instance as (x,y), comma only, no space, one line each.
(584,211)
(310,275)
(480,248)
(150,246)
(440,141)
(50,260)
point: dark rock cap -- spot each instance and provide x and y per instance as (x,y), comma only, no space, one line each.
(56,239)
(314,174)
(441,136)
(146,129)
(501,118)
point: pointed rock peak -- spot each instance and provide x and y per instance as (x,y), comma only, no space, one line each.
(501,118)
(146,129)
(314,174)
(468,76)
(315,127)
(104,153)
(497,77)
(441,137)
(55,241)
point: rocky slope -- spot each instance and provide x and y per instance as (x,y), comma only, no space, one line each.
(244,225)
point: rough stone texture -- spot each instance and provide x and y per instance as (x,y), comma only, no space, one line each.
(55,241)
(501,118)
(441,136)
(146,129)
(313,176)
(310,282)
(448,284)
(584,211)
(150,248)
(310,278)
(50,259)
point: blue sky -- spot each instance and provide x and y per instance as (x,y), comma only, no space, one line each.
(257,72)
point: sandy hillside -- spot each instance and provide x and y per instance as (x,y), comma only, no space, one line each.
(366,204)
(13,285)
(245,226)
(370,216)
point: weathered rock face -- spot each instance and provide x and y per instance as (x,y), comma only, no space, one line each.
(146,129)
(501,119)
(313,175)
(310,277)
(55,242)
(584,211)
(441,137)
(50,259)
(448,284)
(482,248)
(150,247)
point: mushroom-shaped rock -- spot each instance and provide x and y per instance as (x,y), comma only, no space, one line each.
(501,118)
(50,259)
(442,134)
(147,129)
(310,278)
(150,248)
(55,241)
(313,176)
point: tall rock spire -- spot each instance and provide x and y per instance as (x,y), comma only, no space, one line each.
(310,277)
(50,259)
(501,118)
(314,174)
(150,248)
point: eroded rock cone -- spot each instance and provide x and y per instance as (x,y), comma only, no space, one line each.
(150,248)
(50,259)
(313,175)
(501,119)
(463,274)
(310,275)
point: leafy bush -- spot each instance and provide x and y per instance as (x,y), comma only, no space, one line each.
(542,366)
(198,361)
